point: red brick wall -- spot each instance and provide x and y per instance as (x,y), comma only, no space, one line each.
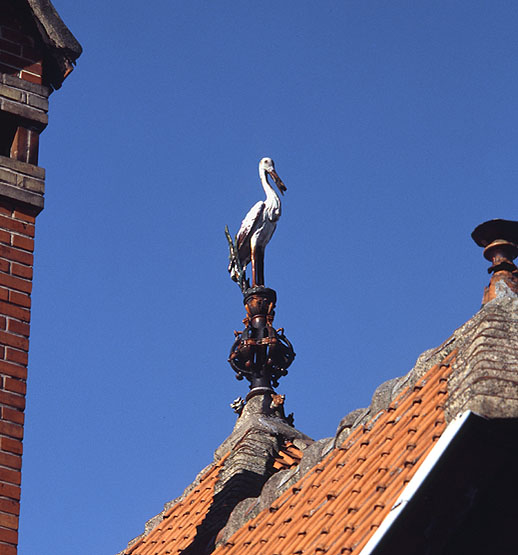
(16,259)
(19,54)
(23,115)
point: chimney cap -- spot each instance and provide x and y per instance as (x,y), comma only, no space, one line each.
(493,230)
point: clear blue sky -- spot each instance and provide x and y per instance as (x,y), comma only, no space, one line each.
(395,128)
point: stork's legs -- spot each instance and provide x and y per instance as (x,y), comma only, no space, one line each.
(257,258)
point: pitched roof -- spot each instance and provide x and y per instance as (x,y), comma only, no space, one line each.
(339,504)
(176,527)
(338,494)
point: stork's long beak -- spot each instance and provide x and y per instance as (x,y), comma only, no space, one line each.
(278,180)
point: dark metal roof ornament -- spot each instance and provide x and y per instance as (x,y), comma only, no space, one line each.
(500,241)
(260,353)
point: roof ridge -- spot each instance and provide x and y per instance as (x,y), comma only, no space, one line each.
(356,468)
(355,474)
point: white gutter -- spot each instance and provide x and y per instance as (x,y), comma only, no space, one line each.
(415,483)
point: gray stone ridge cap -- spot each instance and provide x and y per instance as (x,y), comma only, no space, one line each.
(271,423)
(478,328)
(386,392)
(64,49)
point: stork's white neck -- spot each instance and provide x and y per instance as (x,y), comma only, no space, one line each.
(273,202)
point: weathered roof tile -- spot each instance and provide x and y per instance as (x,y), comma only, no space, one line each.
(347,495)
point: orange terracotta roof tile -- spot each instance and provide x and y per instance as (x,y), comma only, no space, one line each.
(178,528)
(338,505)
(288,456)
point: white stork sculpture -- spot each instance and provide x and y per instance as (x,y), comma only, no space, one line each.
(258,226)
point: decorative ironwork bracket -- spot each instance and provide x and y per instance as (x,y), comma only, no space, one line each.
(260,353)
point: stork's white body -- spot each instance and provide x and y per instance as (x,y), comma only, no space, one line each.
(259,224)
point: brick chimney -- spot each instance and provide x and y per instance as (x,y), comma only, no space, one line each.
(37,52)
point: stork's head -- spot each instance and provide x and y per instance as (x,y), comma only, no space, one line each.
(266,166)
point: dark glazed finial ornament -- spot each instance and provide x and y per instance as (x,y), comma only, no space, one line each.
(260,353)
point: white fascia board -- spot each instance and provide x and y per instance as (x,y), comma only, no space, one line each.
(415,483)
